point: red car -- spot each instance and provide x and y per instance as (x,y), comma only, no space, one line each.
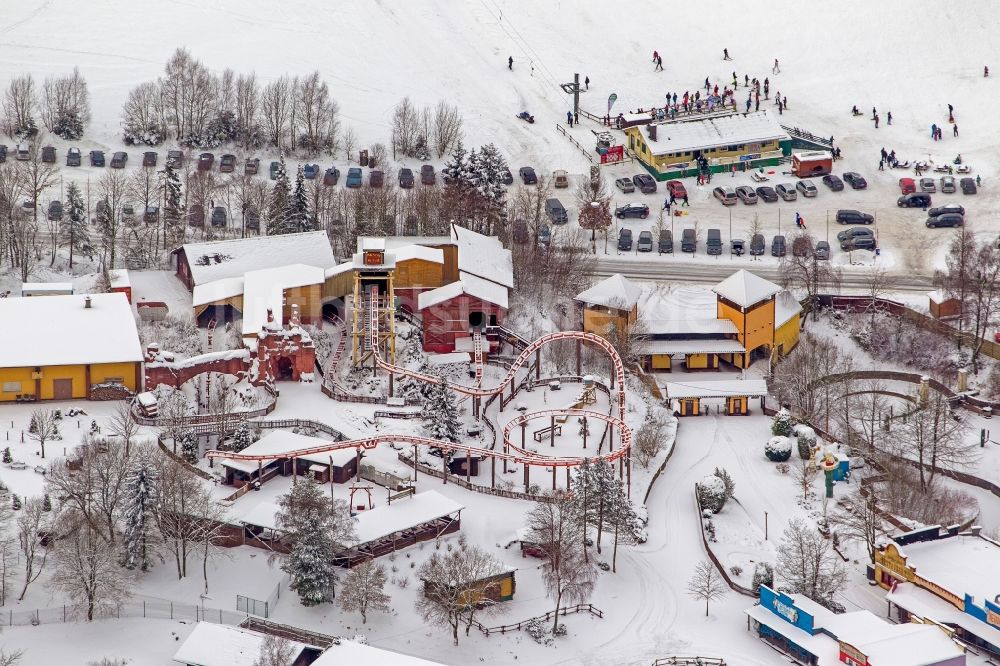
(676,188)
(907,185)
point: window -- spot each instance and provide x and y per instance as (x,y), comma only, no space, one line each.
(732,149)
(12,387)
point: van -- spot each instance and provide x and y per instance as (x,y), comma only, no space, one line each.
(714,241)
(914,200)
(666,244)
(757,245)
(556,211)
(778,246)
(689,242)
(560,179)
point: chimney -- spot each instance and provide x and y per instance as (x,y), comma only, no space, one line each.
(294,319)
(270,316)
(86,302)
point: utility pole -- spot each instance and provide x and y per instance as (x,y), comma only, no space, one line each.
(574,90)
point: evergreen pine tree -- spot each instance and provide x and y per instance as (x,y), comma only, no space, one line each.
(441,414)
(74,234)
(16,504)
(46,502)
(456,167)
(473,171)
(137,516)
(622,517)
(300,205)
(278,204)
(189,446)
(491,168)
(242,438)
(782,424)
(7,457)
(171,198)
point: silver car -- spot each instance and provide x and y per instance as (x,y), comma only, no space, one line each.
(947,184)
(928,185)
(806,188)
(786,191)
(625,185)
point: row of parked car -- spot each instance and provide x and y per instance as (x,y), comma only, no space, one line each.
(930,186)
(728,196)
(801,246)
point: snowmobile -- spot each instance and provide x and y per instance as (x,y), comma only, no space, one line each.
(527,117)
(923,166)
(958,159)
(944,168)
(901,165)
(963,168)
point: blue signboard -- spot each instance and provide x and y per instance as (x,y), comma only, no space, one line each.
(747,158)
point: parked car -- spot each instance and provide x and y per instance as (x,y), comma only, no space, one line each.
(310,171)
(802,246)
(354,177)
(507,178)
(119,159)
(822,250)
(273,170)
(848,216)
(914,200)
(945,220)
(625,185)
(746,194)
(544,234)
(376,178)
(787,191)
(22,152)
(625,240)
(928,185)
(947,208)
(528,176)
(757,245)
(645,243)
(968,185)
(55,210)
(834,182)
(907,185)
(519,232)
(151,215)
(947,184)
(251,219)
(639,210)
(73,157)
(713,242)
(807,188)
(778,246)
(766,194)
(855,180)
(689,241)
(737,246)
(175,159)
(645,183)
(427,176)
(49,154)
(128,212)
(227,163)
(676,189)
(666,242)
(331,176)
(556,211)
(726,195)
(218,216)
(251,166)
(859,243)
(97,158)
(406,178)
(149,158)
(560,179)
(854,232)
(28,204)
(205,161)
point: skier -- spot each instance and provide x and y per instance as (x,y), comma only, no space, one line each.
(707,86)
(656,55)
(881,164)
(888,118)
(954,130)
(854,111)
(748,105)
(746,80)
(725,54)
(775,69)
(876,122)
(979,181)
(659,64)
(874,112)
(767,87)
(934,131)
(784,102)
(569,118)
(986,74)
(685,199)
(510,63)
(586,82)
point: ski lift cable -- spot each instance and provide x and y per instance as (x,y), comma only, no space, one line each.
(524,46)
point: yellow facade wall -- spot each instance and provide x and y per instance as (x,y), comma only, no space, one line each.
(126,371)
(414,273)
(697,361)
(338,286)
(78,373)
(755,327)
(309,299)
(787,336)
(597,320)
(638,142)
(660,361)
(22,375)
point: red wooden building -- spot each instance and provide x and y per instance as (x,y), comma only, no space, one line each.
(451,313)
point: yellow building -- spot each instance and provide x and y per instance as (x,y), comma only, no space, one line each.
(611,302)
(765,316)
(57,348)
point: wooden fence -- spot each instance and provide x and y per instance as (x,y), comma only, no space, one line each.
(458,480)
(711,555)
(689,661)
(546,617)
(180,461)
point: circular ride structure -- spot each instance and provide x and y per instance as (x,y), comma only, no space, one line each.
(511,452)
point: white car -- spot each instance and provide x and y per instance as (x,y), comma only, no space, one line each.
(787,191)
(806,188)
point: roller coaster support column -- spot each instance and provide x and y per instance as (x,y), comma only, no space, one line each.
(357,464)
(391,376)
(552,431)
(628,473)
(538,364)
(414,463)
(527,468)
(444,467)
(585,432)
(579,344)
(295,469)
(553,478)
(468,466)
(493,471)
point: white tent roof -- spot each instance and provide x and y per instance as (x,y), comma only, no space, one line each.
(391,518)
(59,330)
(350,653)
(738,128)
(215,260)
(219,645)
(616,292)
(745,289)
(724,388)
(484,256)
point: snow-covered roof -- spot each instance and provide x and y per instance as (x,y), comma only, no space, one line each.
(470,284)
(904,644)
(724,388)
(119,278)
(350,652)
(939,296)
(63,288)
(220,645)
(962,564)
(284,444)
(216,290)
(681,326)
(616,292)
(484,256)
(409,252)
(59,330)
(672,138)
(826,649)
(678,302)
(690,347)
(391,518)
(786,306)
(924,603)
(446,359)
(264,514)
(215,260)
(745,289)
(264,289)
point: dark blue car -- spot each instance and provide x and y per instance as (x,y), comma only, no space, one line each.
(310,171)
(353,177)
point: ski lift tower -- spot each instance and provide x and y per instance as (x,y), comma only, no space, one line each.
(373,279)
(574,90)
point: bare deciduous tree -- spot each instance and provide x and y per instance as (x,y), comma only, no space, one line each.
(45,427)
(363,590)
(66,105)
(447,127)
(808,564)
(861,521)
(20,102)
(936,440)
(143,115)
(405,127)
(802,270)
(317,113)
(86,573)
(122,424)
(454,584)
(276,106)
(275,651)
(804,472)
(706,584)
(31,522)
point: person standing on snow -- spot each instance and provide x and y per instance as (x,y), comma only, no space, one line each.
(725,54)
(986,74)
(776,69)
(876,122)
(934,131)
(874,112)
(656,55)
(881,165)
(685,203)
(888,118)
(569,118)
(510,63)
(954,130)
(659,64)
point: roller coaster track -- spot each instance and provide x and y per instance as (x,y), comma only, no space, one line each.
(511,452)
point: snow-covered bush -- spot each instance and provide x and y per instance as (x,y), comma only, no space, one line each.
(763,574)
(712,493)
(784,468)
(782,424)
(7,457)
(778,449)
(736,570)
(805,438)
(727,481)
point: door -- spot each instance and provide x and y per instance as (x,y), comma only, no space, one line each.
(62,389)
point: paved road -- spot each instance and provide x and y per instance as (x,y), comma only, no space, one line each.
(695,272)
